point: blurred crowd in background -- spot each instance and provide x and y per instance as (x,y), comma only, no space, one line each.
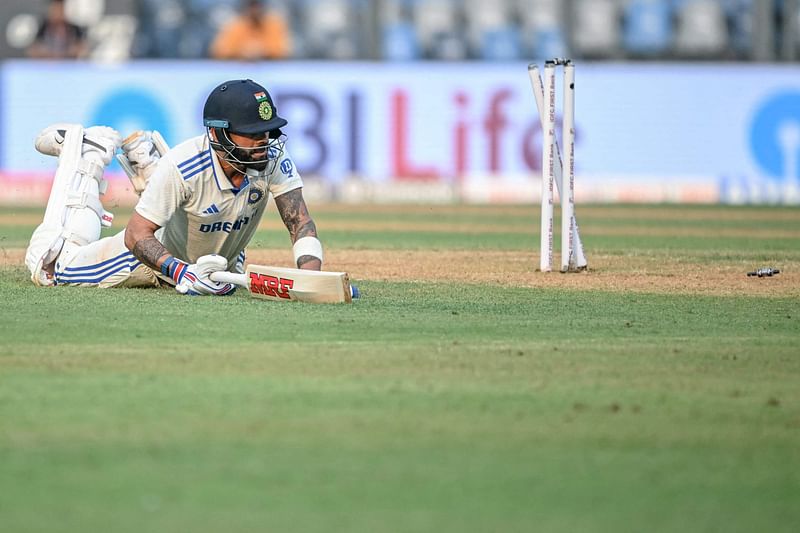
(402,30)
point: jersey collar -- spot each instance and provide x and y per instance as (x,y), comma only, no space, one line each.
(222,181)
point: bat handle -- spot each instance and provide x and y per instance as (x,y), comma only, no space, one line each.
(229,277)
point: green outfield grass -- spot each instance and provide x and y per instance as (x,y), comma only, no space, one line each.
(424,406)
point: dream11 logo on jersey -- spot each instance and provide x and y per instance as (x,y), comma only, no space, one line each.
(499,129)
(223,226)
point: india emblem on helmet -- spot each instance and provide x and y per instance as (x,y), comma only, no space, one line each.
(265,110)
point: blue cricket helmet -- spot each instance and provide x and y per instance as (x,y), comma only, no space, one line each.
(241,106)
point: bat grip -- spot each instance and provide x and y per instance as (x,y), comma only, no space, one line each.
(229,277)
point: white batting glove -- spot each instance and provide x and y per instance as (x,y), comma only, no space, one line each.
(193,279)
(140,149)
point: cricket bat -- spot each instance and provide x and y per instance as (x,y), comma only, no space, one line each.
(292,284)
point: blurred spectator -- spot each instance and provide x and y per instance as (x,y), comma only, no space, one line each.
(57,38)
(253,35)
(454,30)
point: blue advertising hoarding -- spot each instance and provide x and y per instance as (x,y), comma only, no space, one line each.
(733,130)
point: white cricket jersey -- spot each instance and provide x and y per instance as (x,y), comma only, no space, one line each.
(200,212)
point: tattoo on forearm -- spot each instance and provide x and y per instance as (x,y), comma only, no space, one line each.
(149,251)
(303,259)
(309,229)
(295,215)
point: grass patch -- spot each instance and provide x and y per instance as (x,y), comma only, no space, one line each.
(421,407)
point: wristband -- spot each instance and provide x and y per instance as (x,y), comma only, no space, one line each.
(166,264)
(174,268)
(307,246)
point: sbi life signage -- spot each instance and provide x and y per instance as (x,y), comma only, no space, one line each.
(733,129)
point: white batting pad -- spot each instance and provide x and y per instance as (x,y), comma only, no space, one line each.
(74,212)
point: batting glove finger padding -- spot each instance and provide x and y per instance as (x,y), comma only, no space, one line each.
(193,279)
(141,151)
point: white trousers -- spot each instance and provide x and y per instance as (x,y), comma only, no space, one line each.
(103,263)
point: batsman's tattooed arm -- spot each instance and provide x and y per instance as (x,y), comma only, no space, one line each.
(298,221)
(141,241)
(149,251)
(305,259)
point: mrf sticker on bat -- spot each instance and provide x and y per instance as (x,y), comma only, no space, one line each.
(270,285)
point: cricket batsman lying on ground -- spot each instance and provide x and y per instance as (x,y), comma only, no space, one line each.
(200,202)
